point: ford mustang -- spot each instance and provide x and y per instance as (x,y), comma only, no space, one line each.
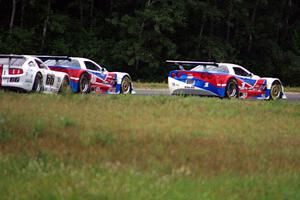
(223,80)
(28,73)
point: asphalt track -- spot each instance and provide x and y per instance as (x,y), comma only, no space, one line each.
(291,96)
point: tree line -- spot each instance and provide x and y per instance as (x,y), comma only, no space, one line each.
(137,36)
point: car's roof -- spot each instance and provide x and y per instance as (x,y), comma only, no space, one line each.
(229,64)
(79,58)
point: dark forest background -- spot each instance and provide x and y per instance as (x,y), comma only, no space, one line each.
(137,36)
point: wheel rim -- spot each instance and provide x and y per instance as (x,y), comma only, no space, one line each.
(125,86)
(39,84)
(275,91)
(231,89)
(84,85)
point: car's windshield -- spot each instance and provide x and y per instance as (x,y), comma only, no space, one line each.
(53,62)
(211,68)
(13,61)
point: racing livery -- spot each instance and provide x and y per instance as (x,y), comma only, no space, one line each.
(222,80)
(28,73)
(87,76)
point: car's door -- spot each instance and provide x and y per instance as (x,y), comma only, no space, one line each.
(247,78)
(98,73)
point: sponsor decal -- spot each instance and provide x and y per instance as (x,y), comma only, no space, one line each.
(189,87)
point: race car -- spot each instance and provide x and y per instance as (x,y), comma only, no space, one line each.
(223,80)
(87,76)
(28,73)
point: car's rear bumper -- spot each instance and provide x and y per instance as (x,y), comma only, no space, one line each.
(18,81)
(181,88)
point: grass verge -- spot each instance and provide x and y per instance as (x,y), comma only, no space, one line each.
(147,147)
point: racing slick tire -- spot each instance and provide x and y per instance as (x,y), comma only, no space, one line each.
(65,86)
(126,85)
(232,90)
(38,83)
(84,84)
(275,91)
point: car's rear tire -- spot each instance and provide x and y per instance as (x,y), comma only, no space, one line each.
(275,91)
(232,90)
(38,83)
(65,86)
(126,85)
(84,84)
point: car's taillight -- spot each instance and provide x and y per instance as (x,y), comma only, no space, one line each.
(15,71)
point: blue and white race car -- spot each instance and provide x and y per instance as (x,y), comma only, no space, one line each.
(87,76)
(222,80)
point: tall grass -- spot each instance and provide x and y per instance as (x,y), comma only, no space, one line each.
(135,147)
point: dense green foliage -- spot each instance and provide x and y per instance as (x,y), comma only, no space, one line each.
(137,36)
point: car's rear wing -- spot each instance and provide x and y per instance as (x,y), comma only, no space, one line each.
(12,56)
(46,57)
(181,63)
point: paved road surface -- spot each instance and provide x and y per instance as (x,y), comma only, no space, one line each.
(165,92)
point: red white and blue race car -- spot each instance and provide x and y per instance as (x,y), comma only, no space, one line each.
(28,73)
(87,76)
(222,80)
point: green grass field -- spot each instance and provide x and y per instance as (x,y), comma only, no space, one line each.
(148,147)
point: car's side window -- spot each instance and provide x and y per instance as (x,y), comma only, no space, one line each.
(91,66)
(31,64)
(240,72)
(40,64)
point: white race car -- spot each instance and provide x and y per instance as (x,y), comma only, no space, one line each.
(28,73)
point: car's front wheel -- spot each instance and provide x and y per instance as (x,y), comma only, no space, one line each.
(231,90)
(38,83)
(276,90)
(84,84)
(126,85)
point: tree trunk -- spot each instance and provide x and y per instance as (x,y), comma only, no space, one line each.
(81,11)
(230,7)
(46,25)
(252,20)
(91,14)
(12,17)
(22,13)
(286,17)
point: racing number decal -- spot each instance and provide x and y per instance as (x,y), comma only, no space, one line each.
(243,86)
(50,79)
